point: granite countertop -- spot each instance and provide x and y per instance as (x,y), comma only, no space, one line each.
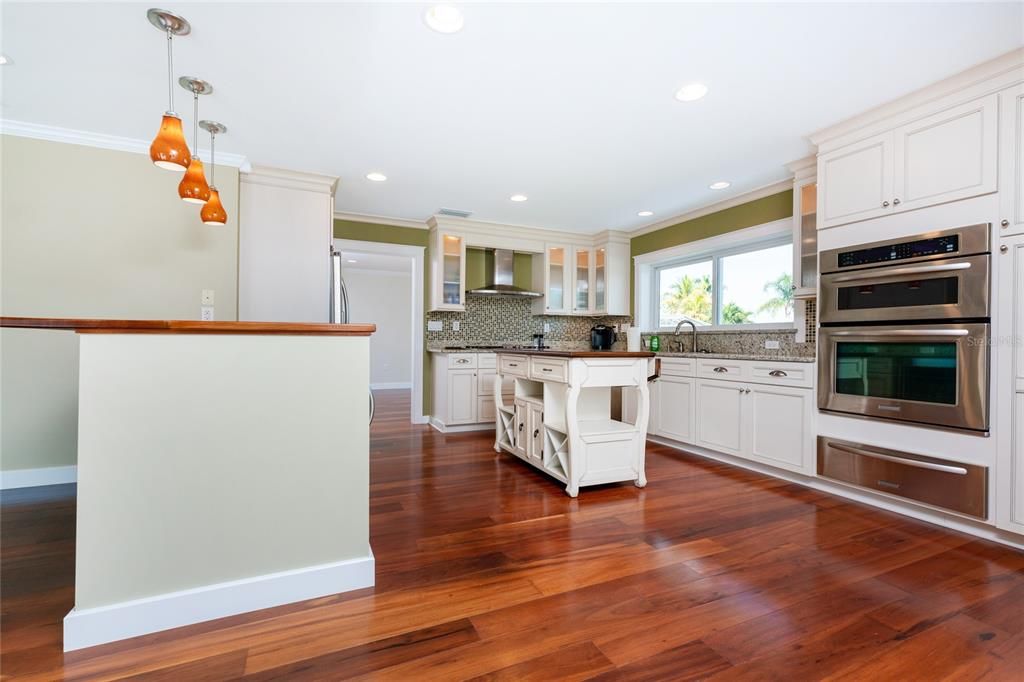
(554,353)
(740,356)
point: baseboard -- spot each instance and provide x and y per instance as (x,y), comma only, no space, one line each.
(908,508)
(89,627)
(422,419)
(460,428)
(386,385)
(30,478)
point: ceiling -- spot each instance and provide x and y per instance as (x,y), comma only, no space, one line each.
(570,104)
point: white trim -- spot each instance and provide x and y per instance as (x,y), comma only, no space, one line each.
(388,385)
(89,627)
(381,220)
(753,195)
(290,179)
(376,271)
(102,141)
(416,255)
(911,509)
(30,478)
(438,425)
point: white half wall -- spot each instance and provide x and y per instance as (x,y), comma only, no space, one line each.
(384,298)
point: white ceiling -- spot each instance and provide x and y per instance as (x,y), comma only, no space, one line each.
(570,104)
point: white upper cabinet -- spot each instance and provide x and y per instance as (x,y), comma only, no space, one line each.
(946,156)
(855,182)
(1011,162)
(582,280)
(447,270)
(555,278)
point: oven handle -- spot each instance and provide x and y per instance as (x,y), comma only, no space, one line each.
(960,471)
(899,272)
(902,332)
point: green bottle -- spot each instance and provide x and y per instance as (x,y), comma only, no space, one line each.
(655,343)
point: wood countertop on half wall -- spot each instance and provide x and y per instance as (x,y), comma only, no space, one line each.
(94,326)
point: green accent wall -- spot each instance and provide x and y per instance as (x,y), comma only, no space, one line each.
(756,212)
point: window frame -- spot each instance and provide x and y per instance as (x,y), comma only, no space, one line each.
(650,265)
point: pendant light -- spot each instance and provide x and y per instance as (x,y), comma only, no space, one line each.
(213,212)
(169,149)
(193,187)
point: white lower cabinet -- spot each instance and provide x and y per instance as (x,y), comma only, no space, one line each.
(672,410)
(780,420)
(1009,479)
(720,416)
(752,414)
(462,401)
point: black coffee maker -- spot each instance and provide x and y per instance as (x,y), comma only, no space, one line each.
(602,337)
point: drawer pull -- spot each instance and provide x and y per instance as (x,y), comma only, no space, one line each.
(512,364)
(720,370)
(545,369)
(777,373)
(462,361)
(960,471)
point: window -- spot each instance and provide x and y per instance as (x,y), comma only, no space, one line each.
(752,284)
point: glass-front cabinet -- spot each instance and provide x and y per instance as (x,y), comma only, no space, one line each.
(555,289)
(599,280)
(448,271)
(583,279)
(582,301)
(805,228)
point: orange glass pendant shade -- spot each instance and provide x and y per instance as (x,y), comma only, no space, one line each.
(213,212)
(169,149)
(193,187)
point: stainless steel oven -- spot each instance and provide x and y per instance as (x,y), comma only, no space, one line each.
(943,275)
(936,374)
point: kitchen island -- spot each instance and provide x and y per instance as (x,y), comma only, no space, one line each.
(561,420)
(223,467)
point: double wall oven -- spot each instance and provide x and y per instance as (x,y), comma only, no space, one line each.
(905,328)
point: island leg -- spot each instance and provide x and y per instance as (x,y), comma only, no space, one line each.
(643,418)
(575,472)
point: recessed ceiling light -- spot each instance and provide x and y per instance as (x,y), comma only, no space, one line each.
(691,92)
(444,18)
(721,184)
(518,197)
(376,177)
(645,214)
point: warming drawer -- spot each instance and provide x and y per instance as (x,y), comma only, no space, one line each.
(955,486)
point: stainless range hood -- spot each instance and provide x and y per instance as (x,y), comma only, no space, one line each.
(499,280)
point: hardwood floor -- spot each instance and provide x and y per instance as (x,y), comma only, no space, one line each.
(486,570)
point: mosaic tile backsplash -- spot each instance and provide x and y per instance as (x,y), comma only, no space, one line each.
(512,320)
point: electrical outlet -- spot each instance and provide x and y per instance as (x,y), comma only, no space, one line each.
(435,326)
(456,325)
(206,313)
(547,327)
(207,297)
(769,344)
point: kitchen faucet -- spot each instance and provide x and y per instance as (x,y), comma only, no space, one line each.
(693,343)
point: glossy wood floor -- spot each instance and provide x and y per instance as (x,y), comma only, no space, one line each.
(486,570)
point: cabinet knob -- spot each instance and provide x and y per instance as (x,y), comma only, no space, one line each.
(1004,248)
(520,427)
(777,373)
(740,390)
(885,204)
(1004,222)
(746,390)
(895,202)
(536,432)
(720,370)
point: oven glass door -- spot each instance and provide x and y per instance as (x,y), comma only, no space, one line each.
(953,288)
(930,374)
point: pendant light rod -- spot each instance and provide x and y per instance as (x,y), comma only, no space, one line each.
(170,71)
(197,87)
(214,129)
(172,25)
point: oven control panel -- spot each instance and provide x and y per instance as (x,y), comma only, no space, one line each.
(946,244)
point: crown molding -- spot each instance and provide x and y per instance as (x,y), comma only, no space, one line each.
(707,209)
(804,168)
(290,179)
(381,220)
(86,138)
(977,81)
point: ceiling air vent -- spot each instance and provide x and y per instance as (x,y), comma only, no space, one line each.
(454,212)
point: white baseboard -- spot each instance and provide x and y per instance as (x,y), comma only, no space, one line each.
(30,478)
(89,627)
(393,384)
(438,425)
(906,508)
(423,419)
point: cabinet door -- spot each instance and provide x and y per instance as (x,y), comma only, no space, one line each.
(675,408)
(1016,516)
(521,435)
(1011,161)
(805,238)
(535,448)
(557,278)
(582,280)
(461,396)
(855,181)
(600,281)
(778,419)
(948,156)
(719,416)
(451,272)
